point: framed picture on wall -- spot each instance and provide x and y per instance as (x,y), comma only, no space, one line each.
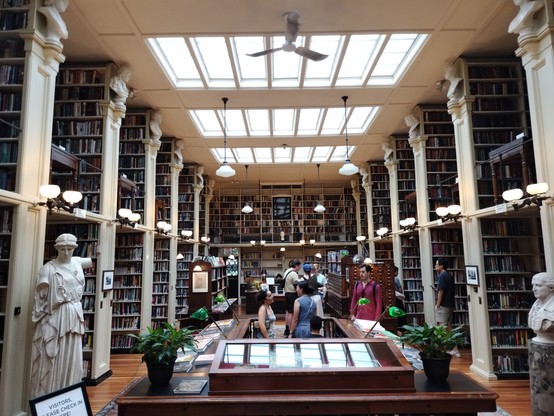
(200,282)
(282,208)
(107,279)
(472,275)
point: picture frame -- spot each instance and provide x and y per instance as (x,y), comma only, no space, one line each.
(200,282)
(107,280)
(73,399)
(472,275)
(282,208)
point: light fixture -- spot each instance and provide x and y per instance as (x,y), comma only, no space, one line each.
(393,312)
(318,255)
(282,249)
(180,256)
(197,268)
(408,224)
(368,261)
(311,242)
(67,201)
(127,217)
(348,168)
(255,243)
(535,193)
(186,234)
(202,314)
(302,242)
(163,227)
(231,257)
(246,209)
(360,238)
(383,232)
(205,239)
(451,213)
(319,208)
(225,171)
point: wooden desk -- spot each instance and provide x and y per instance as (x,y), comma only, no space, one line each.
(459,393)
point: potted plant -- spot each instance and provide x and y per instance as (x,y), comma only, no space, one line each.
(159,347)
(434,343)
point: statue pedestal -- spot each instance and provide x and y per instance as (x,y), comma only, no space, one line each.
(541,376)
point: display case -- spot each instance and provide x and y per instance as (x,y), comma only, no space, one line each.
(309,366)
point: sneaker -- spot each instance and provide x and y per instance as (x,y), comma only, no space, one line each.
(455,354)
(286,333)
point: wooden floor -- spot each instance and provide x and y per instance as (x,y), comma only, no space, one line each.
(514,395)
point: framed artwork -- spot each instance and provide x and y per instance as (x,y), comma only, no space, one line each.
(472,275)
(69,400)
(200,282)
(282,208)
(107,279)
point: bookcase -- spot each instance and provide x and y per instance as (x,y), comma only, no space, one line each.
(405,172)
(251,262)
(440,156)
(128,288)
(6,215)
(163,181)
(380,195)
(78,124)
(512,254)
(341,274)
(207,282)
(228,219)
(13,18)
(499,112)
(87,239)
(160,282)
(413,283)
(132,133)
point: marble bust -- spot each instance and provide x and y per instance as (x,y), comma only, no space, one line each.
(541,315)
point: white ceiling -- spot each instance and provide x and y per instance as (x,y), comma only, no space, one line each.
(116,30)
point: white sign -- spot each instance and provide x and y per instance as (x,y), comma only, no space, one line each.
(70,401)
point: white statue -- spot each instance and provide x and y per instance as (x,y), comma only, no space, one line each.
(388,151)
(200,175)
(355,184)
(58,323)
(178,152)
(541,315)
(365,178)
(451,74)
(118,83)
(412,122)
(55,26)
(210,186)
(523,22)
(155,122)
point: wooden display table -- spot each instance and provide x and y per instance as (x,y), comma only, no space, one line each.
(460,395)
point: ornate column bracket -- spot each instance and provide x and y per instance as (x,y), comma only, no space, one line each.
(56,28)
(118,84)
(523,23)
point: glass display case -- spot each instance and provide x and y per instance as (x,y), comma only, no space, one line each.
(309,365)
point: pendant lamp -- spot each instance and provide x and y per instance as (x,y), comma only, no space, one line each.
(246,209)
(225,171)
(348,168)
(319,208)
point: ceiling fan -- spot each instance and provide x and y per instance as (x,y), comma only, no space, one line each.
(292,27)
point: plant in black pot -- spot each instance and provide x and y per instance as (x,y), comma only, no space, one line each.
(433,343)
(159,347)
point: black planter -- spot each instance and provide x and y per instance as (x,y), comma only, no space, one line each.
(159,374)
(436,369)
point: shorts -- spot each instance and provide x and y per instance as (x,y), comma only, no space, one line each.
(290,297)
(444,315)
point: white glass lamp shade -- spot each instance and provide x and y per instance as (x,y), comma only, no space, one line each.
(124,212)
(312,241)
(442,211)
(282,248)
(49,191)
(302,242)
(180,256)
(318,255)
(134,217)
(197,268)
(225,171)
(411,221)
(382,231)
(360,238)
(231,257)
(348,169)
(454,209)
(368,260)
(247,209)
(72,197)
(512,194)
(402,223)
(252,242)
(537,188)
(319,208)
(262,242)
(186,233)
(161,225)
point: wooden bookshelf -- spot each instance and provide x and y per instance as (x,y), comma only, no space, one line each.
(160,282)
(6,218)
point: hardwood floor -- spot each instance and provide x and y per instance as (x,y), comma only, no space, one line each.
(514,394)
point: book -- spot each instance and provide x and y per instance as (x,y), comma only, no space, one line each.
(191,386)
(204,359)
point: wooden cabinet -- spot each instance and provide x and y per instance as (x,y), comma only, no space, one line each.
(208,280)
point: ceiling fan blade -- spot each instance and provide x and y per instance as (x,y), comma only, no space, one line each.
(292,25)
(308,53)
(266,52)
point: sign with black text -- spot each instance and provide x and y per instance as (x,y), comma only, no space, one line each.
(69,401)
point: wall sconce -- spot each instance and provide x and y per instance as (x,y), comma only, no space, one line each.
(535,193)
(205,239)
(127,217)
(66,202)
(163,227)
(450,213)
(302,242)
(311,242)
(255,243)
(408,224)
(186,234)
(282,249)
(383,232)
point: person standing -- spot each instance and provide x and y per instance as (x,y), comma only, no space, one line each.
(321,282)
(367,288)
(266,316)
(444,307)
(290,277)
(58,323)
(304,309)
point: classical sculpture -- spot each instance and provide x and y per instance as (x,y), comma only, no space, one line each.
(541,315)
(388,151)
(155,122)
(523,22)
(58,323)
(118,83)
(200,175)
(365,178)
(412,122)
(451,74)
(178,152)
(210,186)
(55,26)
